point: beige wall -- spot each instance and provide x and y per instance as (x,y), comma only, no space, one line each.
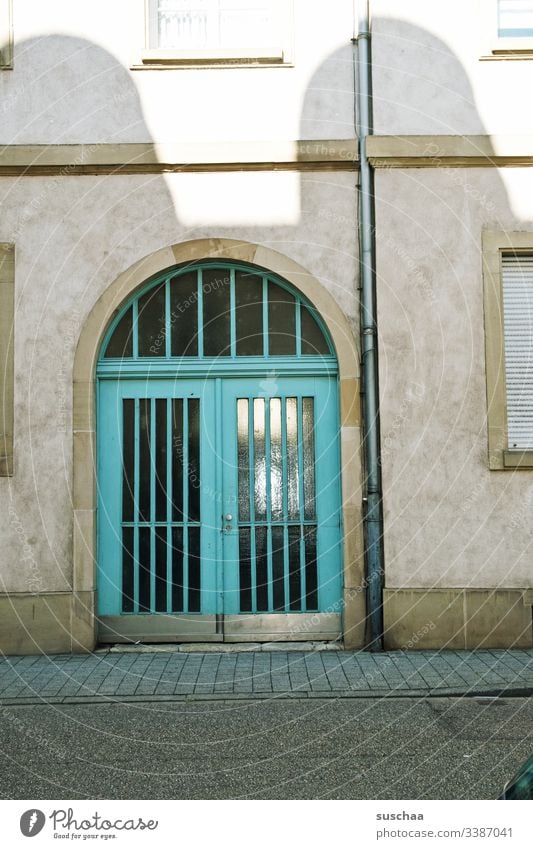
(449,520)
(83,234)
(432,74)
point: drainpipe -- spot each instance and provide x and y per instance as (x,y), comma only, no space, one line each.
(373,526)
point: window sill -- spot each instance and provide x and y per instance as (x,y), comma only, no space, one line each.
(518,459)
(509,48)
(507,55)
(258,57)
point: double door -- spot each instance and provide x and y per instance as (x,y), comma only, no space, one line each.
(218,509)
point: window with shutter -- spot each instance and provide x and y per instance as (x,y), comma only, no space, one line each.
(517,284)
(508,317)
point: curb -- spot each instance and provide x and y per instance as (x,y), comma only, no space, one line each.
(492,693)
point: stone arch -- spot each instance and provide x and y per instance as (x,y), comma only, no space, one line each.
(84,435)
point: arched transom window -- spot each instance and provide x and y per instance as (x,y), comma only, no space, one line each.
(214,310)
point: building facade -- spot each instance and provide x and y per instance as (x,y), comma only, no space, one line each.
(182,432)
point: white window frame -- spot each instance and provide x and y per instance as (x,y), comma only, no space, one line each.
(280,54)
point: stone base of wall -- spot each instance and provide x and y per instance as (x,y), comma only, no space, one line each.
(51,623)
(57,623)
(457,619)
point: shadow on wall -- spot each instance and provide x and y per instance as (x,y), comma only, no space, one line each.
(63,89)
(75,237)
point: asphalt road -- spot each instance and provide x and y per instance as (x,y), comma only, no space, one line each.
(438,748)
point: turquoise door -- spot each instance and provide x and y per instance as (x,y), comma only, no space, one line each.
(281,517)
(218,478)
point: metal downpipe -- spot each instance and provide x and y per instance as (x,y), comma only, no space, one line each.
(373,525)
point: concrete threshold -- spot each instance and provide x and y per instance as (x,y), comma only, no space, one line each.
(218,648)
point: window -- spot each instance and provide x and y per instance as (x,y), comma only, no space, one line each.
(517,286)
(509,28)
(217,31)
(508,284)
(515,18)
(6,35)
(216,311)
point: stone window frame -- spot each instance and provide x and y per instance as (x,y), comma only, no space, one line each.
(154,58)
(7,320)
(6,35)
(494,245)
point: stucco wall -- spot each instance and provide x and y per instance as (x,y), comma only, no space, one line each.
(84,232)
(449,520)
(431,73)
(72,81)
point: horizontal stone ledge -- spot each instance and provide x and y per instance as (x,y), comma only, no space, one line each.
(66,160)
(405,151)
(435,151)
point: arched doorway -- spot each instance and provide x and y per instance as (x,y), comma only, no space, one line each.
(219,498)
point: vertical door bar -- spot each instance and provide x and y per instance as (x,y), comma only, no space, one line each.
(251,467)
(219,507)
(268,496)
(301,495)
(136,505)
(170,490)
(185,496)
(285,500)
(153,470)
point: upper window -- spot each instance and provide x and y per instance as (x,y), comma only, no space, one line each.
(515,18)
(216,31)
(508,28)
(214,310)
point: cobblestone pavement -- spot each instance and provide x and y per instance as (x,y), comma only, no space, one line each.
(167,675)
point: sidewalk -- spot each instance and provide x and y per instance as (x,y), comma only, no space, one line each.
(177,675)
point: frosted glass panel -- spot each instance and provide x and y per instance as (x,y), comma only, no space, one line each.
(308,426)
(276,460)
(292,459)
(243,459)
(259,459)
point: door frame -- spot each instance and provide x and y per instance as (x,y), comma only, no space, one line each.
(84,494)
(214,625)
